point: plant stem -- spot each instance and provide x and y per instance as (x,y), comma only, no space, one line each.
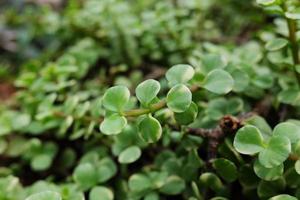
(292,26)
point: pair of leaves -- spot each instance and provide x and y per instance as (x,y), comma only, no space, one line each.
(179,97)
(171,185)
(115,100)
(272,154)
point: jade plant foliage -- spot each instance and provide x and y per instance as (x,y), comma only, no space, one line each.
(149,100)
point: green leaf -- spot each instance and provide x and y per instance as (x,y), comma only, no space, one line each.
(150,129)
(226,169)
(47,195)
(101,192)
(147,91)
(248,140)
(241,80)
(41,162)
(212,181)
(130,155)
(139,183)
(277,151)
(266,2)
(218,81)
(152,196)
(179,98)
(211,62)
(173,185)
(290,96)
(187,116)
(267,189)
(283,197)
(179,74)
(113,124)
(268,174)
(297,166)
(106,169)
(276,44)
(289,130)
(293,14)
(115,98)
(85,175)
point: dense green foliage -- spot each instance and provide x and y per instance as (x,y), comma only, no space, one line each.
(152,100)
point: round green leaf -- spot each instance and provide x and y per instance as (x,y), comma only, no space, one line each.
(47,195)
(147,91)
(276,44)
(268,174)
(297,166)
(139,183)
(115,98)
(277,151)
(289,96)
(248,140)
(152,196)
(130,155)
(283,197)
(113,124)
(106,169)
(102,193)
(173,185)
(267,189)
(241,80)
(226,169)
(41,162)
(218,81)
(187,116)
(179,98)
(289,130)
(212,181)
(179,74)
(150,129)
(266,2)
(85,175)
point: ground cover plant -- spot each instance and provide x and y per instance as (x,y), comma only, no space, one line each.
(150,100)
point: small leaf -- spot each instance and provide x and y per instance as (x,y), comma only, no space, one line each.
(130,155)
(179,98)
(147,91)
(85,175)
(179,74)
(266,2)
(113,124)
(173,185)
(187,116)
(115,98)
(248,140)
(241,80)
(47,195)
(289,130)
(297,166)
(289,96)
(268,174)
(106,169)
(139,183)
(277,151)
(283,197)
(41,162)
(276,44)
(226,169)
(150,129)
(212,181)
(218,81)
(102,193)
(293,14)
